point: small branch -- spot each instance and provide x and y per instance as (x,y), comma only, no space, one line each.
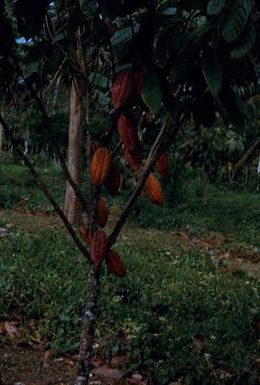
(162,141)
(42,186)
(246,155)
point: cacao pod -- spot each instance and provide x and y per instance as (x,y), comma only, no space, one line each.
(163,165)
(102,213)
(115,264)
(98,246)
(85,234)
(114,180)
(134,157)
(122,88)
(153,190)
(127,132)
(100,166)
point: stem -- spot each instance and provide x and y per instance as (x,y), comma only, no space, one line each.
(89,326)
(163,139)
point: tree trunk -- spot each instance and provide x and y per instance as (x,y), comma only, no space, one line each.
(89,324)
(71,205)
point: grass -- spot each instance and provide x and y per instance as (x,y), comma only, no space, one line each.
(175,316)
(171,295)
(17,186)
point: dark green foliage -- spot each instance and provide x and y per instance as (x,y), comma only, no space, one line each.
(245,43)
(211,70)
(215,6)
(239,14)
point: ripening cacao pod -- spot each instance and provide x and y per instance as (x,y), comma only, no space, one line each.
(115,264)
(153,190)
(134,157)
(102,213)
(85,234)
(100,166)
(114,179)
(138,75)
(122,88)
(162,165)
(127,132)
(98,246)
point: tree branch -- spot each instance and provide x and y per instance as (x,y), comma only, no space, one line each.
(42,186)
(162,141)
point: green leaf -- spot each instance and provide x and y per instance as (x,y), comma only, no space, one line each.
(211,70)
(215,7)
(235,24)
(245,43)
(235,108)
(151,92)
(123,35)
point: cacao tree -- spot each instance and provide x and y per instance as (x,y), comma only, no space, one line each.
(151,67)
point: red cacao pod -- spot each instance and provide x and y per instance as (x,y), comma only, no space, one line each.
(98,246)
(100,166)
(114,179)
(153,190)
(122,88)
(115,264)
(127,132)
(85,234)
(163,164)
(134,157)
(102,212)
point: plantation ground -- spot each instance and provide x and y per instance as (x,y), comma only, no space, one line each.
(188,310)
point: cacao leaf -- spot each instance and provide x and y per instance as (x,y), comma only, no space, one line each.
(151,92)
(234,26)
(247,41)
(215,6)
(123,35)
(211,70)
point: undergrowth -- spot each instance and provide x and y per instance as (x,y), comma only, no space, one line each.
(170,297)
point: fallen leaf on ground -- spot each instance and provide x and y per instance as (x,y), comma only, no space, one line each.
(108,373)
(11,330)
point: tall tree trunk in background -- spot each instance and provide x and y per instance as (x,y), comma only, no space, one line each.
(71,205)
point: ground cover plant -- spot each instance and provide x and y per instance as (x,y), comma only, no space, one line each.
(179,316)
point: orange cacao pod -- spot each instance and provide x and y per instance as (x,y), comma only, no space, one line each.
(100,166)
(85,234)
(115,264)
(102,213)
(134,157)
(113,181)
(162,164)
(98,246)
(153,190)
(127,132)
(122,88)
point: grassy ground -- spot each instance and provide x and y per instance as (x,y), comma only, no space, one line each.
(188,309)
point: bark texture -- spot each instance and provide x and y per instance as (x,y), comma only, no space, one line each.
(89,324)
(72,204)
